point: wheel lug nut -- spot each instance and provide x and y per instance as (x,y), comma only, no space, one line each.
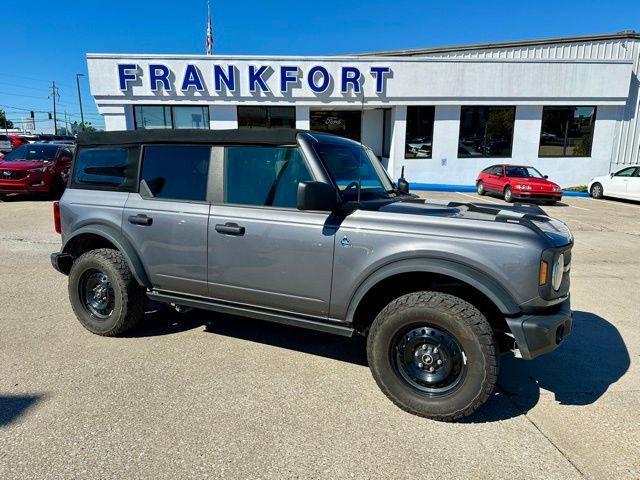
(424,347)
(439,362)
(420,365)
(431,369)
(435,350)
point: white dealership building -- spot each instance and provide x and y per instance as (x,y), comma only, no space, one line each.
(567,106)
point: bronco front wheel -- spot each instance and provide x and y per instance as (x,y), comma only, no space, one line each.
(433,355)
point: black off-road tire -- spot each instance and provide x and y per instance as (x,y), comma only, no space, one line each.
(508,195)
(462,321)
(596,191)
(480,188)
(129,298)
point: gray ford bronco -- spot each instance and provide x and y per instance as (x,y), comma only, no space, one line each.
(307,229)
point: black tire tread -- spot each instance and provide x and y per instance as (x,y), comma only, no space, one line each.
(133,295)
(473,318)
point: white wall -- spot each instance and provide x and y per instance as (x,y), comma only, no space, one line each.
(372,130)
(303,121)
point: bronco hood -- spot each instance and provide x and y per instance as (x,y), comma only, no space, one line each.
(527,215)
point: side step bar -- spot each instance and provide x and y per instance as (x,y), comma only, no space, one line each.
(253,312)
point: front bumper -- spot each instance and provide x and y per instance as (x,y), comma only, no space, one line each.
(24,185)
(532,195)
(541,333)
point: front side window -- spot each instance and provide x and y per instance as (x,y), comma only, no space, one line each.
(267,117)
(106,168)
(522,172)
(486,131)
(264,176)
(148,117)
(176,172)
(354,167)
(419,137)
(567,131)
(627,172)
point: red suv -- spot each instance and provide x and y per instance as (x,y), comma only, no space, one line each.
(517,182)
(35,168)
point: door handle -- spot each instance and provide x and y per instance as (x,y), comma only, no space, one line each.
(230,229)
(140,220)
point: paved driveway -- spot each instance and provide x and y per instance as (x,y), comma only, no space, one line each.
(201,395)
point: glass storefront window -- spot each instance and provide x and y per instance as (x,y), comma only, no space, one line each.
(567,131)
(148,117)
(191,117)
(486,131)
(267,117)
(346,123)
(154,116)
(419,136)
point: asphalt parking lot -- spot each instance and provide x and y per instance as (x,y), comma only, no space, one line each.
(204,396)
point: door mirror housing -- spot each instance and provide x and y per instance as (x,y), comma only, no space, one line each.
(403,186)
(316,196)
(546,177)
(612,174)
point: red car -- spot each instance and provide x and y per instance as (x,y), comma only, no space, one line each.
(35,168)
(517,182)
(17,140)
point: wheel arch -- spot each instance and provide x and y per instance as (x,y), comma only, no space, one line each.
(102,236)
(411,275)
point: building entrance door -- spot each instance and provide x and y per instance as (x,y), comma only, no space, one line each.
(346,123)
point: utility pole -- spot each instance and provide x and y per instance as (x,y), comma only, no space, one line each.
(66,123)
(78,75)
(54,94)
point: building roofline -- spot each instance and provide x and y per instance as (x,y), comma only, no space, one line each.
(627,34)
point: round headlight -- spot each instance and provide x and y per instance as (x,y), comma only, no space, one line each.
(557,272)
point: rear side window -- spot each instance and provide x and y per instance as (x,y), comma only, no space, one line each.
(176,172)
(264,176)
(106,168)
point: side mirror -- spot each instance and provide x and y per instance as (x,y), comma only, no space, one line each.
(403,185)
(611,174)
(546,177)
(316,196)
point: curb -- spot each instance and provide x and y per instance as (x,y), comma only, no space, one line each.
(438,187)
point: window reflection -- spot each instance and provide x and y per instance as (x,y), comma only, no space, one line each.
(486,131)
(149,117)
(567,131)
(346,123)
(267,117)
(419,136)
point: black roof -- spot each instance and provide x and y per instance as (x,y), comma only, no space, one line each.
(254,136)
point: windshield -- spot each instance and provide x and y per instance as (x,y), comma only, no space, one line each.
(523,172)
(352,166)
(33,153)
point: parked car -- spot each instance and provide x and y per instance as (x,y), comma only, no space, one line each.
(17,140)
(624,184)
(517,182)
(307,229)
(35,168)
(5,144)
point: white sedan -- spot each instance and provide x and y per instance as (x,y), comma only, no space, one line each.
(622,184)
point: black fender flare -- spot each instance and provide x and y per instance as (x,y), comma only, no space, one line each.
(493,290)
(121,243)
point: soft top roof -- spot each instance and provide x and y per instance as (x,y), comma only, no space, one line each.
(255,136)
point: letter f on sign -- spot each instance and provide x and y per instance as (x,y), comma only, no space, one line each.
(125,74)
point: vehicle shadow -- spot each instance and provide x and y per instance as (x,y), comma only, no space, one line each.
(13,407)
(36,197)
(579,372)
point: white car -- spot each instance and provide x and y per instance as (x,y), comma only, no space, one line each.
(622,184)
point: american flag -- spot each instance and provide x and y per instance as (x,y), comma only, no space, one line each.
(209,40)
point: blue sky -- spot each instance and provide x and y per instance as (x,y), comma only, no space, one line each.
(45,41)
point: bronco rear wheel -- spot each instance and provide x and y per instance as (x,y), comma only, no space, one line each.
(433,355)
(105,297)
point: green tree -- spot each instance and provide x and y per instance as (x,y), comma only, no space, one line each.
(4,121)
(86,127)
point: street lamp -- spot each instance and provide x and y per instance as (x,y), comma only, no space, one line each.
(78,75)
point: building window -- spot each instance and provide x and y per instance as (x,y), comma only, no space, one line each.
(176,172)
(486,131)
(148,117)
(346,123)
(567,131)
(267,117)
(419,137)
